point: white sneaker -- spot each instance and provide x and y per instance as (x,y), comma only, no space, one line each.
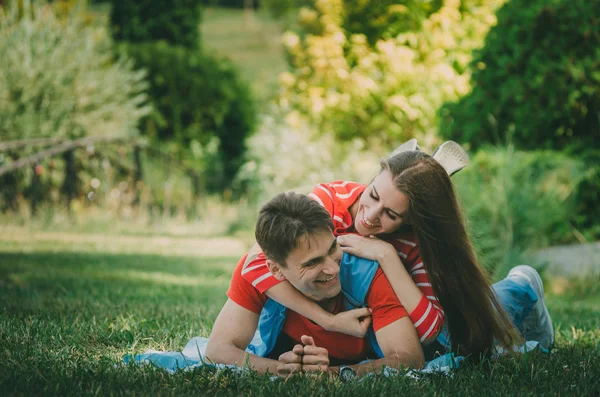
(451,156)
(406,146)
(537,325)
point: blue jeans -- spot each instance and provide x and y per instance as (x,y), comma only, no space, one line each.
(515,296)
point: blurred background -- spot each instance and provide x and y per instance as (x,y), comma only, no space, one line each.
(180,118)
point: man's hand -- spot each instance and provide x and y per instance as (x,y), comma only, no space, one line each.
(352,322)
(290,363)
(314,359)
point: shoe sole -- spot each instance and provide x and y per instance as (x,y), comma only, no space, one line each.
(409,145)
(452,157)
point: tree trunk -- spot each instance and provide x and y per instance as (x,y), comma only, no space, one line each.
(138,174)
(69,186)
(35,189)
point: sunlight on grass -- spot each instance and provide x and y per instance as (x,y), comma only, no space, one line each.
(68,318)
(23,240)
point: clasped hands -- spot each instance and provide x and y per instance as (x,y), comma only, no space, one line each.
(305,358)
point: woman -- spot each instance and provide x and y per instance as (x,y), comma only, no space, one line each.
(411,206)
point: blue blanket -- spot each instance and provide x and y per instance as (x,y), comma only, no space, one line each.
(192,356)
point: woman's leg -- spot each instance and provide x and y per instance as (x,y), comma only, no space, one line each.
(521,295)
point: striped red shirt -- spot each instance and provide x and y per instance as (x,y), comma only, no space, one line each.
(337,197)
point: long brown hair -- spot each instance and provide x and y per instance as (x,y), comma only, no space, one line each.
(473,315)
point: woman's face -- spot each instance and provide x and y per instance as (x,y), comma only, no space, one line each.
(382,208)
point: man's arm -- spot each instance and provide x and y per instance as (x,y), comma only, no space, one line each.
(232,332)
(400,346)
(398,342)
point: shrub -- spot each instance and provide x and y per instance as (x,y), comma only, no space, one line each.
(176,21)
(518,201)
(203,109)
(385,19)
(230,3)
(386,92)
(537,79)
(60,79)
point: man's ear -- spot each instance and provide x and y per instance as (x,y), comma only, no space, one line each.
(275,269)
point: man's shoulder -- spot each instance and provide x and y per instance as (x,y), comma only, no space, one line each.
(242,292)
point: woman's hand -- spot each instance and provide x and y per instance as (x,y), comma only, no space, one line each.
(352,322)
(371,248)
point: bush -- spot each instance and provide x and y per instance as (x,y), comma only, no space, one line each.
(230,3)
(386,19)
(387,92)
(202,108)
(518,201)
(537,79)
(60,79)
(176,21)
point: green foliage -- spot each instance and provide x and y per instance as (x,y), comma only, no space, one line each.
(536,81)
(175,21)
(518,201)
(60,79)
(202,108)
(385,19)
(537,84)
(230,3)
(281,8)
(381,89)
(587,212)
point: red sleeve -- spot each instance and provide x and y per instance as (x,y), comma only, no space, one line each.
(428,316)
(323,194)
(258,275)
(384,302)
(243,293)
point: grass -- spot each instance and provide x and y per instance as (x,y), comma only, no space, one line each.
(69,314)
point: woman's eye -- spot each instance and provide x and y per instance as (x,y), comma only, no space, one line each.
(373,197)
(392,217)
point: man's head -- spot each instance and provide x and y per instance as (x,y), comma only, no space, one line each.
(295,233)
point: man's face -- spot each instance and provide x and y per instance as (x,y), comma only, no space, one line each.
(313,267)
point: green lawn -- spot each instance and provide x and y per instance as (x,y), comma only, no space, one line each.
(68,315)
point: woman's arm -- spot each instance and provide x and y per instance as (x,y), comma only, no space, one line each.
(353,322)
(417,297)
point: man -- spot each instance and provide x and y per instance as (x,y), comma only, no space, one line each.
(295,233)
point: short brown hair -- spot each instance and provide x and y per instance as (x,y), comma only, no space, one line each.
(284,220)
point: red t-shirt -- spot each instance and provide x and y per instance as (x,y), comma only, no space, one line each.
(380,298)
(337,198)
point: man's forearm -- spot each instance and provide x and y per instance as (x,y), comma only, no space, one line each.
(395,360)
(223,353)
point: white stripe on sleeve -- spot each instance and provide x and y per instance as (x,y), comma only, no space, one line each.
(261,278)
(345,196)
(249,269)
(316,198)
(337,218)
(424,315)
(341,184)
(326,191)
(406,242)
(426,334)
